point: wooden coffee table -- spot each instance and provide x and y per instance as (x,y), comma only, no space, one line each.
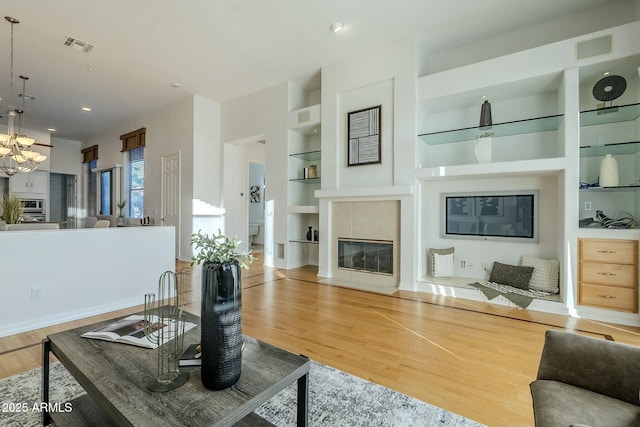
(115,376)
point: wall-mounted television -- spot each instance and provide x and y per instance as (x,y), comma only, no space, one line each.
(491,215)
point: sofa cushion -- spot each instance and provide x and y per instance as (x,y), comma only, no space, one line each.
(443,267)
(511,275)
(545,273)
(559,404)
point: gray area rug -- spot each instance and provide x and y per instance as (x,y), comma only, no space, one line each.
(335,399)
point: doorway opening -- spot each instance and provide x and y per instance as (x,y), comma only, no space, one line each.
(63,200)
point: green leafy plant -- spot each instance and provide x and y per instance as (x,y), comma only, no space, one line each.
(11,209)
(219,249)
(121,206)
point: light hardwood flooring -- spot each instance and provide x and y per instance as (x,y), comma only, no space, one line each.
(472,358)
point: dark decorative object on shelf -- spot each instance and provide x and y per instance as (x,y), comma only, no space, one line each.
(221,309)
(485,115)
(609,88)
(315,235)
(309,233)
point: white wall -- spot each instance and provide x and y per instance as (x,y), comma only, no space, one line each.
(587,21)
(236,187)
(207,152)
(384,77)
(79,272)
(66,156)
(169,131)
(262,115)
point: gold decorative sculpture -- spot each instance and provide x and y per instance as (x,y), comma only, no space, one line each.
(164,313)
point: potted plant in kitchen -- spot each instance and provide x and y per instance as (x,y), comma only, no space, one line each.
(121,206)
(11,209)
(221,308)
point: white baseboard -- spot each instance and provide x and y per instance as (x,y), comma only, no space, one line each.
(66,317)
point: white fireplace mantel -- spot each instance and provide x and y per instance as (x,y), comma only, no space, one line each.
(366,192)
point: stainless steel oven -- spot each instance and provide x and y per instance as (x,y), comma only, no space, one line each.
(33,206)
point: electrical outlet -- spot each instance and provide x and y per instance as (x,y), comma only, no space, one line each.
(587,206)
(486,266)
(462,264)
(36,294)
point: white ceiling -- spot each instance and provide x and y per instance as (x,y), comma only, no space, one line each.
(218,49)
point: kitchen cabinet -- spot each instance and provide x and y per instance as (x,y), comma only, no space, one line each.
(32,184)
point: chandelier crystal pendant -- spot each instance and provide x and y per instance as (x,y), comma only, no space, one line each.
(16,155)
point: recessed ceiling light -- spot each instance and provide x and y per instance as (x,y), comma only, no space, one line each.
(336,26)
(90,68)
(51,129)
(86,109)
(175,84)
(606,73)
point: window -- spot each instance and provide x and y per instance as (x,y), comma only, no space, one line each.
(135,183)
(106,192)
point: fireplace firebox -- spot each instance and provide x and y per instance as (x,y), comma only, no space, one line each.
(373,256)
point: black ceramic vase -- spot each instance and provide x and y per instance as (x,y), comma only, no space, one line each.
(221,325)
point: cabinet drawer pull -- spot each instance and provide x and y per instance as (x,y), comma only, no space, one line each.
(606,252)
(604,273)
(606,296)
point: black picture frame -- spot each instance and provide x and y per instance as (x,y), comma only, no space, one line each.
(364,137)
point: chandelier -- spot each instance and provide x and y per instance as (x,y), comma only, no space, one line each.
(16,155)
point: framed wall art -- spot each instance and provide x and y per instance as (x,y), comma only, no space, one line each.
(255,194)
(363,136)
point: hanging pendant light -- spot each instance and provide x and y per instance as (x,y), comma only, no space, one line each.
(15,153)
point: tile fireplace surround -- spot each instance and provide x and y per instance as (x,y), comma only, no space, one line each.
(367,220)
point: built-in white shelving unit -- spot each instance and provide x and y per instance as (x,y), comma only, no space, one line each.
(548,133)
(304,151)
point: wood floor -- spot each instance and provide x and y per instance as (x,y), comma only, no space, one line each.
(471,358)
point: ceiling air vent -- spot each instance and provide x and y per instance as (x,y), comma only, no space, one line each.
(594,47)
(76,44)
(304,116)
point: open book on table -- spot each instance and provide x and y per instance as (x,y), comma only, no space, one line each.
(131,330)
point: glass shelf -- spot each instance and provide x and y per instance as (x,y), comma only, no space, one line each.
(308,155)
(615,114)
(617,188)
(518,127)
(306,180)
(617,148)
(311,242)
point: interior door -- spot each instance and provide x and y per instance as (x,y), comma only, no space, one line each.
(170,193)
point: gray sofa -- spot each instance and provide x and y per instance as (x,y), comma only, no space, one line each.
(584,381)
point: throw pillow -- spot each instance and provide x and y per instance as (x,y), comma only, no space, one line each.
(431,260)
(511,275)
(546,273)
(442,265)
